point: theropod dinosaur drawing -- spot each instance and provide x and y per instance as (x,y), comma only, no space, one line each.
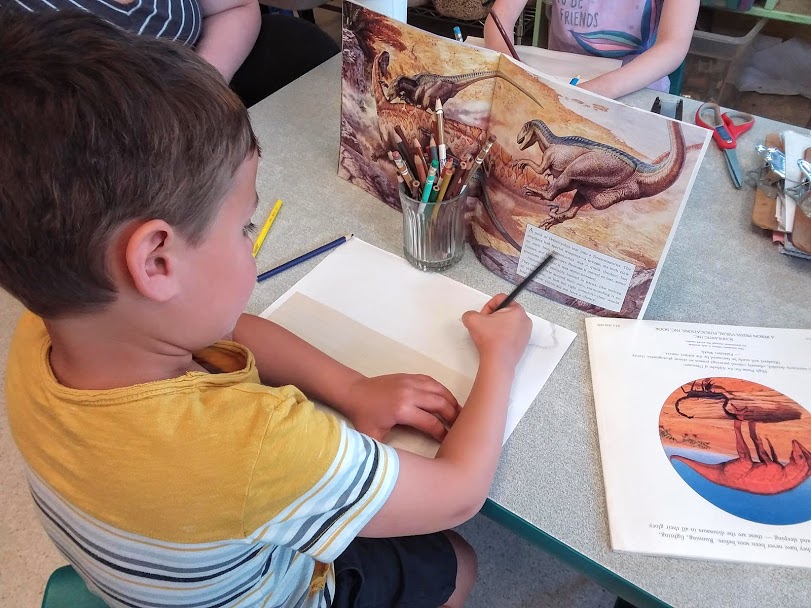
(422,90)
(601,175)
(764,474)
(412,119)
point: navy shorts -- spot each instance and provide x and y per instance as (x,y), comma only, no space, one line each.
(407,572)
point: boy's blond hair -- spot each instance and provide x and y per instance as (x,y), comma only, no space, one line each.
(99,128)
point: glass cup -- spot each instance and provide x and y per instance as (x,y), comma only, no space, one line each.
(433,233)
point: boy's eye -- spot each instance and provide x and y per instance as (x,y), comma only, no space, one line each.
(249,230)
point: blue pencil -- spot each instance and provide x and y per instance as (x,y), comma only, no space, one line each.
(303,258)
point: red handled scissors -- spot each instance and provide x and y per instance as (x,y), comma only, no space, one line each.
(726,128)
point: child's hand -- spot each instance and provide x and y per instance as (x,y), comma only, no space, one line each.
(381,402)
(499,335)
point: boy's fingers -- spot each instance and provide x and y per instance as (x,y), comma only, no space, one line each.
(425,422)
(438,405)
(494,303)
(434,386)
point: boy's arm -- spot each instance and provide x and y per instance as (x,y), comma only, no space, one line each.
(229,31)
(672,43)
(440,493)
(374,405)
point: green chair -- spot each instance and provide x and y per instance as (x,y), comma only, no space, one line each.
(66,589)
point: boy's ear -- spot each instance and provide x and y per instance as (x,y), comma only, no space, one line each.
(151,257)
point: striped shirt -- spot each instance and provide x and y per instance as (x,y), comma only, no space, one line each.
(179,20)
(204,491)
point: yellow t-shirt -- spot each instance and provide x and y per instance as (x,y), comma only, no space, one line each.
(207,488)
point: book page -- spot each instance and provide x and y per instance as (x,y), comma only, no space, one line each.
(585,169)
(373,312)
(575,271)
(593,178)
(560,65)
(705,438)
(392,75)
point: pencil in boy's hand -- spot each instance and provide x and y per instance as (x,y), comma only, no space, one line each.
(268,223)
(303,258)
(523,284)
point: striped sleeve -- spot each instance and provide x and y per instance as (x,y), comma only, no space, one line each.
(356,475)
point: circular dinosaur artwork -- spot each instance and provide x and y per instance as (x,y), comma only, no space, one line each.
(744,447)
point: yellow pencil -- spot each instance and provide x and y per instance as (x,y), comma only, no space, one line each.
(268,223)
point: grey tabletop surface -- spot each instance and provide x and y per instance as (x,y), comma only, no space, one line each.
(720,269)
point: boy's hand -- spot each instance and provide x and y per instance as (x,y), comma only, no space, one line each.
(501,336)
(381,402)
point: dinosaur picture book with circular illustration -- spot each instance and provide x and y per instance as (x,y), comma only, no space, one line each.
(705,438)
(598,182)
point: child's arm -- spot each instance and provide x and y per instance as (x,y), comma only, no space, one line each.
(508,12)
(374,405)
(672,43)
(228,33)
(436,494)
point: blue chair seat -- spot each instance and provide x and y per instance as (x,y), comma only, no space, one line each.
(66,589)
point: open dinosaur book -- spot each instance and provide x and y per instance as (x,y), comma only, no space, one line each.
(705,438)
(599,182)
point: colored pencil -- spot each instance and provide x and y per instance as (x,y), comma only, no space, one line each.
(440,134)
(422,171)
(479,158)
(268,223)
(447,176)
(503,33)
(457,33)
(403,169)
(461,174)
(429,183)
(432,150)
(303,258)
(523,284)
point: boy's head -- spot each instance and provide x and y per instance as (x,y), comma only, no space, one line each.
(119,159)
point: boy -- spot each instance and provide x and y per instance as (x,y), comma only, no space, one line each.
(162,462)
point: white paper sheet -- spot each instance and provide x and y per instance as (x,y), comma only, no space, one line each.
(422,312)
(576,271)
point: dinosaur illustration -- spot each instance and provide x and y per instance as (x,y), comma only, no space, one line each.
(764,475)
(422,90)
(461,138)
(767,475)
(601,175)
